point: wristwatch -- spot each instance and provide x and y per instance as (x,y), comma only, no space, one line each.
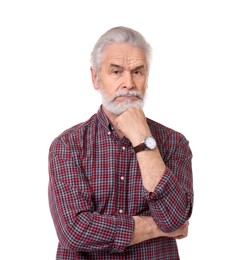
(149,143)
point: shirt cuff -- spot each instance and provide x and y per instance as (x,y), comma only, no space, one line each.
(124,231)
(163,188)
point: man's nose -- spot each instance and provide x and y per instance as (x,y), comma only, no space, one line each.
(128,81)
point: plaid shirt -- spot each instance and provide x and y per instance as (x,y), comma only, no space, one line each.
(95,188)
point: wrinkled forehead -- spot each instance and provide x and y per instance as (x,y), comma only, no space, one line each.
(124,55)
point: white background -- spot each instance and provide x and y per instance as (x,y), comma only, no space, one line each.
(45,88)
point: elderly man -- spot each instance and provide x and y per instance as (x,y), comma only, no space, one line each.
(120,184)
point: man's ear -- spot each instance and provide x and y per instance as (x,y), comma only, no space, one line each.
(94,78)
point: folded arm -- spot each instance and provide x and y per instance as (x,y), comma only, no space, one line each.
(167,178)
(146,228)
(79,227)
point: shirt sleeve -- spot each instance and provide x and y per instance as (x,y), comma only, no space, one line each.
(171,203)
(79,227)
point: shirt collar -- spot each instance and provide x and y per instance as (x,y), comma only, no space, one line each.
(103,119)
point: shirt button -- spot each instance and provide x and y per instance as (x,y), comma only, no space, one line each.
(109,133)
(122,178)
(120,211)
(123,147)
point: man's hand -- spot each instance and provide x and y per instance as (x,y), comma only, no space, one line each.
(132,123)
(146,228)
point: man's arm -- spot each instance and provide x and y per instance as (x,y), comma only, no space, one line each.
(146,228)
(79,227)
(133,125)
(168,188)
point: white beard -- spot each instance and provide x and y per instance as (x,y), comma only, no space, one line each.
(117,108)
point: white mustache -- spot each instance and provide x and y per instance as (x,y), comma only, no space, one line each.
(128,93)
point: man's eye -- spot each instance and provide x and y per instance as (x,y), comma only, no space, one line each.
(137,72)
(116,72)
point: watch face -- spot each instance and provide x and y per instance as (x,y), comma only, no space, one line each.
(150,142)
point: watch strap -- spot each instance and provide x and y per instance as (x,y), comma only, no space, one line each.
(140,147)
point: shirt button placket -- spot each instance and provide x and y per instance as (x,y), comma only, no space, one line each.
(122,190)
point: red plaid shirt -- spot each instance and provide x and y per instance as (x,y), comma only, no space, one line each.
(95,188)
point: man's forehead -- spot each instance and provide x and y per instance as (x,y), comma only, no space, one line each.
(123,49)
(124,55)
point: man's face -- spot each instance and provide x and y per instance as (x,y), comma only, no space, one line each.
(122,79)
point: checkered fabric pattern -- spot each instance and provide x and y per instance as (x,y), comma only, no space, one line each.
(95,188)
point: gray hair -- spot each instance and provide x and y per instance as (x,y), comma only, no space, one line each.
(117,35)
